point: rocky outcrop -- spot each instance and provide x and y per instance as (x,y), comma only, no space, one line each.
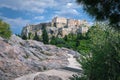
(19,57)
(57,27)
(45,77)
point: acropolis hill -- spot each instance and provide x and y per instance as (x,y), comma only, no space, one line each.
(59,26)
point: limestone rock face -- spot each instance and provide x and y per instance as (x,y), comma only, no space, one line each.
(46,77)
(19,57)
(57,27)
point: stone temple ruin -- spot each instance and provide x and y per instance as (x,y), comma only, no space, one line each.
(59,26)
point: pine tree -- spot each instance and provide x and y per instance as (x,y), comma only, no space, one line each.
(45,36)
(101,10)
(36,37)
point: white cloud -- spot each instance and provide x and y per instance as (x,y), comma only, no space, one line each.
(28,5)
(69,5)
(69,12)
(17,22)
(67,9)
(39,17)
(38,6)
(63,8)
(72,5)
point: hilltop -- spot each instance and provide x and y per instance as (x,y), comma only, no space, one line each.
(58,27)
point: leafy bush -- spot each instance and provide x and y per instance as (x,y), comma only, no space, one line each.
(57,41)
(84,46)
(103,62)
(5,31)
(76,42)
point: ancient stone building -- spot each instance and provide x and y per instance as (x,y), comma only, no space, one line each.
(59,26)
(59,22)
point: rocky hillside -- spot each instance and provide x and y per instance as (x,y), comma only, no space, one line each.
(57,27)
(19,57)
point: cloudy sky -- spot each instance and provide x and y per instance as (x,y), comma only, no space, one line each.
(18,13)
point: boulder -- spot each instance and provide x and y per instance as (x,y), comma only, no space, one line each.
(19,57)
(46,77)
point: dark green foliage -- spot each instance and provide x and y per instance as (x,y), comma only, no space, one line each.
(76,42)
(103,10)
(29,35)
(5,31)
(60,41)
(57,41)
(106,54)
(103,62)
(36,37)
(71,37)
(84,46)
(66,38)
(24,37)
(53,41)
(78,39)
(45,37)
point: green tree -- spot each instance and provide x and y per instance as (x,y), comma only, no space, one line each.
(108,10)
(31,35)
(103,62)
(5,31)
(78,40)
(36,37)
(53,40)
(24,37)
(45,37)
(66,38)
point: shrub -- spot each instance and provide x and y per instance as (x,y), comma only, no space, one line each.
(103,62)
(5,31)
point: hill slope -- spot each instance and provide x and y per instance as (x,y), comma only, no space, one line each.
(19,57)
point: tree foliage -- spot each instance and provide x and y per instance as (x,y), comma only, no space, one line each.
(76,42)
(5,31)
(103,62)
(24,37)
(103,10)
(36,37)
(45,37)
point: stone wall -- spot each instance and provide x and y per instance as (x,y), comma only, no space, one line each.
(57,27)
(59,22)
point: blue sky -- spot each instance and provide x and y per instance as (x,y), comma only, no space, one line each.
(19,13)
